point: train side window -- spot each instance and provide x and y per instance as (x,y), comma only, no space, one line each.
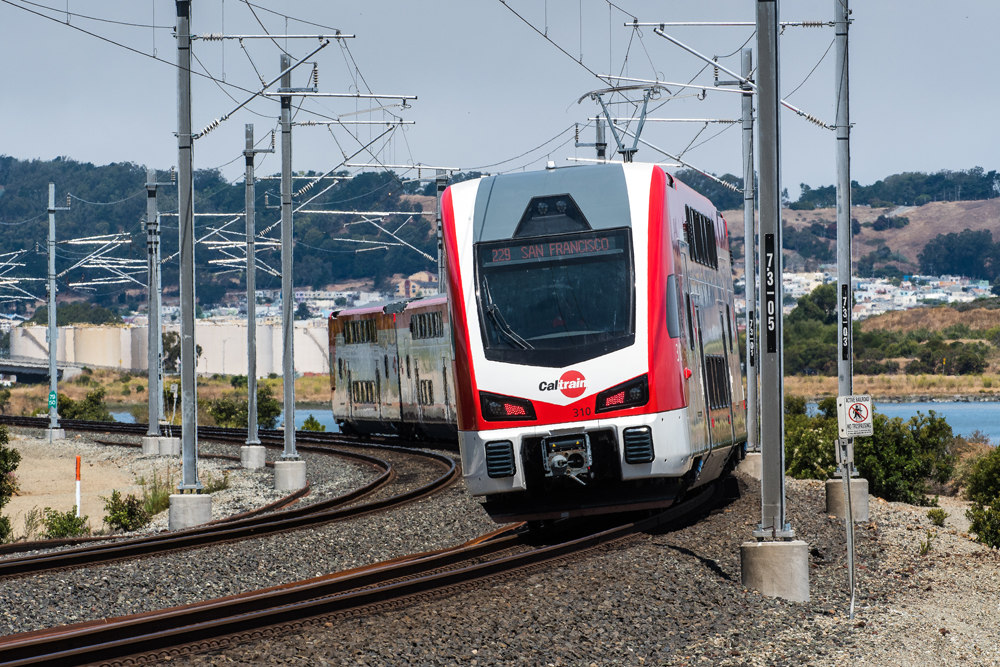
(360,331)
(729,323)
(385,359)
(673,313)
(427,325)
(690,318)
(407,367)
(340,368)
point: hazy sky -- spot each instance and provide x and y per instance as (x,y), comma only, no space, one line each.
(490,88)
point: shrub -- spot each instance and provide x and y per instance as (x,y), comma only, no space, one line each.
(6,532)
(126,513)
(140,388)
(64,524)
(213,484)
(984,523)
(4,400)
(125,379)
(32,522)
(10,459)
(312,424)
(92,407)
(156,494)
(937,516)
(809,449)
(795,405)
(239,381)
(126,391)
(901,457)
(983,482)
(232,410)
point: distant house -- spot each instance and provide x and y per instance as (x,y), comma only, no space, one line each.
(419,284)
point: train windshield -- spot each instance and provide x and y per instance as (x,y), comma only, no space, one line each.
(556,300)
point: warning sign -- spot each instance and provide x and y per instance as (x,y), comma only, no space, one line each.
(854,416)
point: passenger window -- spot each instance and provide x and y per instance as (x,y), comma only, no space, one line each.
(673,314)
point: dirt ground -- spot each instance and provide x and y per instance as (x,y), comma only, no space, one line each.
(47,478)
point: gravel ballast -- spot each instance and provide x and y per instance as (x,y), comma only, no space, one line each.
(148,584)
(675,598)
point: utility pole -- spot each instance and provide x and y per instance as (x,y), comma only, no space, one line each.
(749,256)
(252,454)
(760,560)
(187,509)
(601,144)
(845,290)
(53,432)
(150,444)
(291,474)
(441,179)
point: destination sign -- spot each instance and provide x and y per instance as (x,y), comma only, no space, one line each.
(563,247)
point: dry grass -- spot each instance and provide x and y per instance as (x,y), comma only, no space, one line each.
(819,386)
(25,399)
(933,319)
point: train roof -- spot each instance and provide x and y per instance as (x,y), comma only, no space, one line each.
(391,306)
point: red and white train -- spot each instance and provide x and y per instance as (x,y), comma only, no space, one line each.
(591,327)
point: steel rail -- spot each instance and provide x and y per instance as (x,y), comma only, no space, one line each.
(312,515)
(218,623)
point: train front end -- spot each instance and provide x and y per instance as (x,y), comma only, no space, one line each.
(570,374)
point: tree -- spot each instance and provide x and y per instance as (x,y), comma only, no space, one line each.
(233,409)
(302,311)
(172,352)
(821,305)
(91,407)
(77,312)
(967,253)
(312,424)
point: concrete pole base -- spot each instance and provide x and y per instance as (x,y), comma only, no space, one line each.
(170,446)
(836,504)
(252,456)
(750,466)
(189,509)
(55,434)
(151,445)
(289,475)
(776,569)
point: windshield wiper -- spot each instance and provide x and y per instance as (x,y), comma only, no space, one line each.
(494,312)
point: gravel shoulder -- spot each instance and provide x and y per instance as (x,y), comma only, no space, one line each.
(675,598)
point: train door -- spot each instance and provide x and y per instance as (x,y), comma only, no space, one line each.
(727,374)
(703,375)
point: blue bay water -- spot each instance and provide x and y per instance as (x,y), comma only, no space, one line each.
(964,418)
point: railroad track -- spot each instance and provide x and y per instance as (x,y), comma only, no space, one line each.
(241,527)
(218,433)
(216,624)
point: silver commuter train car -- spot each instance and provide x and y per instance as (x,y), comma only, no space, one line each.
(391,368)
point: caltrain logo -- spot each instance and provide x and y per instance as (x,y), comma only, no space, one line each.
(571,384)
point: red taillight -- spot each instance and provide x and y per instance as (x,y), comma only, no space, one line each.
(614,399)
(514,410)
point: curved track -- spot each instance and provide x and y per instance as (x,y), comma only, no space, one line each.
(218,623)
(239,527)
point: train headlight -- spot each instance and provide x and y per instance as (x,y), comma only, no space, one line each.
(505,408)
(626,395)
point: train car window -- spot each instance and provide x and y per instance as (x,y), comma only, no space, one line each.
(551,301)
(427,325)
(407,367)
(340,368)
(425,392)
(719,391)
(363,391)
(360,331)
(729,323)
(673,312)
(700,235)
(385,359)
(556,214)
(690,319)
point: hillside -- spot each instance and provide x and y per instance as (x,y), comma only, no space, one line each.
(926,222)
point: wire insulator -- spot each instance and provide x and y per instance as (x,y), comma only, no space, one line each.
(307,123)
(813,24)
(211,126)
(715,67)
(315,76)
(576,133)
(213,37)
(272,141)
(813,119)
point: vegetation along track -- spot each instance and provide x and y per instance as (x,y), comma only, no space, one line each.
(244,526)
(218,623)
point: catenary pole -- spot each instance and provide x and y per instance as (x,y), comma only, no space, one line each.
(153,305)
(441,180)
(252,438)
(749,255)
(287,297)
(53,330)
(773,519)
(845,371)
(186,232)
(161,408)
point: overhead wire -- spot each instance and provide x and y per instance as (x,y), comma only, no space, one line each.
(543,144)
(96,18)
(813,69)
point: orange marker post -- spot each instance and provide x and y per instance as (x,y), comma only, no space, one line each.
(78,487)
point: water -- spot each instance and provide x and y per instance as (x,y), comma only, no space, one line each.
(323,415)
(964,418)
